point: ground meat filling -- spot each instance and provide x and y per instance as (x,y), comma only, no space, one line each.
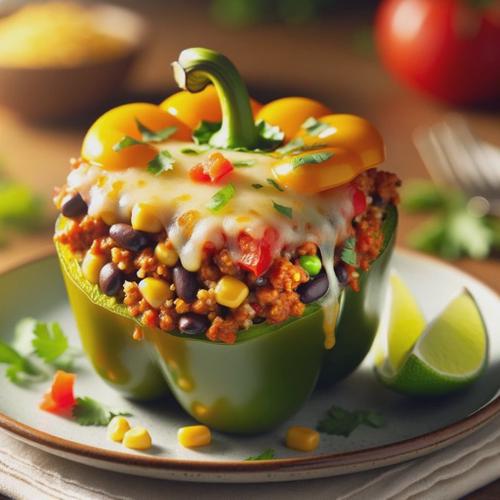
(188,302)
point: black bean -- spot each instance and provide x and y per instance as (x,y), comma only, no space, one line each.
(127,237)
(186,284)
(111,279)
(73,206)
(258,319)
(193,324)
(223,311)
(261,281)
(341,273)
(377,200)
(314,289)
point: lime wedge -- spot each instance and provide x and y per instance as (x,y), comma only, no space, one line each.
(446,356)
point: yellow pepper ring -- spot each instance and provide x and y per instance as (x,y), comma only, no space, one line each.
(309,178)
(191,108)
(114,125)
(350,132)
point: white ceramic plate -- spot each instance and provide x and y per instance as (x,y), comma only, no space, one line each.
(413,428)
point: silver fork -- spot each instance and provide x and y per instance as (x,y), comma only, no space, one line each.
(455,157)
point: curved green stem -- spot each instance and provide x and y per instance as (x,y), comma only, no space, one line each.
(198,67)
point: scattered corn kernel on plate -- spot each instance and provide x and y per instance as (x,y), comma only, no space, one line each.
(160,440)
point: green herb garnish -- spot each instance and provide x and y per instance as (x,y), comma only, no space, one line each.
(125,142)
(88,411)
(19,368)
(194,151)
(221,198)
(149,135)
(311,158)
(243,163)
(162,162)
(314,127)
(348,254)
(456,228)
(268,454)
(270,136)
(257,186)
(294,146)
(205,130)
(274,184)
(283,210)
(340,422)
(49,341)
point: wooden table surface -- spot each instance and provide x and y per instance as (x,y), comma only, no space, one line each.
(319,60)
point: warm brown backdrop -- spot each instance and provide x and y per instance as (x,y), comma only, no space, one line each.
(326,60)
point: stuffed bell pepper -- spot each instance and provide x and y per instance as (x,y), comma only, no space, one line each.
(231,254)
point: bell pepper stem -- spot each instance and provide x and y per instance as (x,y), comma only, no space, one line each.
(197,68)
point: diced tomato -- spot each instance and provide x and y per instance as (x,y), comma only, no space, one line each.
(212,169)
(60,396)
(256,255)
(358,202)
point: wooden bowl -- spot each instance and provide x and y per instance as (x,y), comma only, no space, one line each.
(55,92)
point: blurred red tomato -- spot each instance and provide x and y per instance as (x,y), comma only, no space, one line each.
(447,48)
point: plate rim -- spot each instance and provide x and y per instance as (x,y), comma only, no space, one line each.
(361,459)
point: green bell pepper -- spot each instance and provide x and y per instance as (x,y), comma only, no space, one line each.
(268,374)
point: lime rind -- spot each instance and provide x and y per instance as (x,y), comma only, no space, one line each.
(461,329)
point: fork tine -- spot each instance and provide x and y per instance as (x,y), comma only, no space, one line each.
(487,167)
(433,157)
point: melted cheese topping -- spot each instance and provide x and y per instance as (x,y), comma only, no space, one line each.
(181,206)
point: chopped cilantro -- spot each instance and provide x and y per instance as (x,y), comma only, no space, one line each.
(274,184)
(49,341)
(349,255)
(149,135)
(268,454)
(311,158)
(270,136)
(243,163)
(257,186)
(194,151)
(342,422)
(293,146)
(204,132)
(162,162)
(88,411)
(19,369)
(283,210)
(314,127)
(221,198)
(125,142)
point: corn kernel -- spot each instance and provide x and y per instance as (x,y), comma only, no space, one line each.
(137,438)
(194,436)
(230,292)
(144,219)
(92,265)
(302,438)
(166,254)
(155,291)
(117,429)
(109,218)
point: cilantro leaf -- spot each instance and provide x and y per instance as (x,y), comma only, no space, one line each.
(275,185)
(314,127)
(149,135)
(348,254)
(204,132)
(221,198)
(243,163)
(311,158)
(341,422)
(9,355)
(19,369)
(194,151)
(268,454)
(283,210)
(88,411)
(270,136)
(257,186)
(294,146)
(49,341)
(162,162)
(125,142)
